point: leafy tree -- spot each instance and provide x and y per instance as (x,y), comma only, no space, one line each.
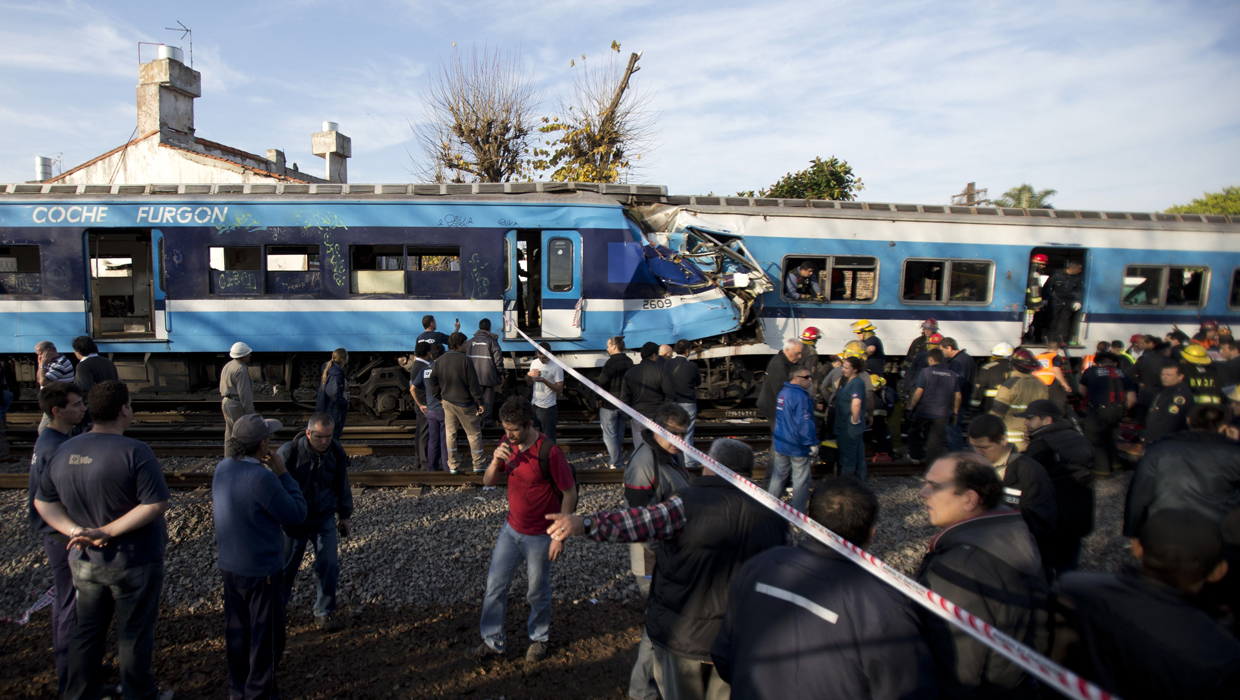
(599,133)
(481,114)
(829,179)
(1025,197)
(1225,202)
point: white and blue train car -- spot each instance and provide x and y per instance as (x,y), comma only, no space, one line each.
(167,278)
(966,267)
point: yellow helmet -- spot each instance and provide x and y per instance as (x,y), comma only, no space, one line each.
(854,348)
(863,326)
(1195,354)
(877,381)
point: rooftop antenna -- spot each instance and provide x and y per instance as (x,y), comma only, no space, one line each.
(185,31)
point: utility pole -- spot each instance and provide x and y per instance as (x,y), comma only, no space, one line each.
(971,196)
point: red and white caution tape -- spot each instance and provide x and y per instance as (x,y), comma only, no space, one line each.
(39,604)
(1041,667)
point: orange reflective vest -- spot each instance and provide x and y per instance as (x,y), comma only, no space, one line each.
(1047,371)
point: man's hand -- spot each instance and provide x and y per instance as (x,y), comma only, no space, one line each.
(457,327)
(481,410)
(88,537)
(1076,306)
(275,463)
(813,450)
(565,525)
(535,373)
(503,453)
(343,527)
(557,548)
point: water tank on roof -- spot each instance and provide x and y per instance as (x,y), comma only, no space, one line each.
(330,126)
(172,52)
(42,168)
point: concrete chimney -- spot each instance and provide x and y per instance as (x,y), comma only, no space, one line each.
(335,148)
(42,168)
(276,157)
(166,91)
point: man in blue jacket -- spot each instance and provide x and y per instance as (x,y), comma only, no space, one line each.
(320,467)
(806,622)
(251,504)
(796,440)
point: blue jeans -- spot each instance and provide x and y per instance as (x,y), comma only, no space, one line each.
(852,455)
(613,422)
(133,595)
(545,420)
(64,608)
(326,565)
(510,548)
(800,468)
(691,408)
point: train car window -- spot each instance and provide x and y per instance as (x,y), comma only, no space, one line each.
(1233,299)
(435,259)
(434,272)
(376,269)
(1143,285)
(235,269)
(507,265)
(20,272)
(560,264)
(293,269)
(946,281)
(1187,286)
(853,279)
(1154,286)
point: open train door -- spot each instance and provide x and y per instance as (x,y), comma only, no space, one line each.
(512,285)
(1038,324)
(123,285)
(563,309)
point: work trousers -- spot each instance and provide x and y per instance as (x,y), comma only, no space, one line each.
(132,595)
(545,419)
(436,442)
(64,606)
(1061,321)
(232,409)
(927,438)
(1102,430)
(325,546)
(681,678)
(467,418)
(254,634)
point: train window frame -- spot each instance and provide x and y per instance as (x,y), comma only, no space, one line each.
(377,281)
(829,264)
(947,275)
(19,281)
(1164,286)
(285,282)
(436,282)
(572,264)
(216,283)
(1232,301)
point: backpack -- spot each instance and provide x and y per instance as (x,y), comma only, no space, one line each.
(544,464)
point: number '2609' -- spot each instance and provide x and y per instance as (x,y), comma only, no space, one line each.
(657,304)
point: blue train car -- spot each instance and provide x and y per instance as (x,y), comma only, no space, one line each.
(166,278)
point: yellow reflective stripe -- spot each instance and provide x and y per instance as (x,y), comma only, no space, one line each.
(1018,407)
(992,392)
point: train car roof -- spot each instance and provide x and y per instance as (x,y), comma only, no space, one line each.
(653,199)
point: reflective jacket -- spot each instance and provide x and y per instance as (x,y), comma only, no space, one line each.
(989,378)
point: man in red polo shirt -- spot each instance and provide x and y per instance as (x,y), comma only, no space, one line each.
(532,494)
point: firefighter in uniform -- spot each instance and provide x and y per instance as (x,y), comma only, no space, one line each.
(1207,335)
(1016,393)
(884,401)
(928,328)
(875,356)
(1111,392)
(1051,373)
(991,376)
(1033,292)
(1201,376)
(809,353)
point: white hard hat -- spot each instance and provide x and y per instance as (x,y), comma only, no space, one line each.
(239,349)
(1002,350)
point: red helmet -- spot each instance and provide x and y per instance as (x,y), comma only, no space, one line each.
(934,339)
(810,335)
(1209,325)
(1040,258)
(1025,360)
(930,324)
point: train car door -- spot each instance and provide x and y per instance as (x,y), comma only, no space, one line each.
(1058,258)
(513,277)
(121,283)
(563,309)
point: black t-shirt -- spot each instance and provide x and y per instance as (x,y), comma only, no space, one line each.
(93,370)
(876,363)
(685,376)
(432,337)
(99,477)
(49,441)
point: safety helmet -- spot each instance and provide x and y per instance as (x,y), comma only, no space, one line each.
(1195,354)
(935,339)
(810,335)
(863,326)
(854,348)
(930,324)
(1209,325)
(878,381)
(1040,258)
(1002,350)
(1023,359)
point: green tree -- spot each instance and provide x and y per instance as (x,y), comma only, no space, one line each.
(1025,197)
(823,179)
(1225,202)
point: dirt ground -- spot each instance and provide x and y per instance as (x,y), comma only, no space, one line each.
(384,653)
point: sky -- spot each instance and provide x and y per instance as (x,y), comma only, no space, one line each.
(1130,105)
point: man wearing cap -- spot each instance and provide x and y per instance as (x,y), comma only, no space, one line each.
(318,463)
(991,376)
(646,386)
(250,506)
(1110,392)
(236,388)
(928,328)
(1065,290)
(1137,634)
(1015,395)
(1069,461)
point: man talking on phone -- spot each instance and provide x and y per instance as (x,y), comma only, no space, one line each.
(539,482)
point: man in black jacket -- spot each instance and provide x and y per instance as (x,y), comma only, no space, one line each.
(645,386)
(455,383)
(1068,459)
(985,561)
(963,365)
(1026,485)
(1136,634)
(805,622)
(1168,412)
(1065,290)
(707,532)
(684,376)
(321,469)
(483,350)
(778,372)
(613,420)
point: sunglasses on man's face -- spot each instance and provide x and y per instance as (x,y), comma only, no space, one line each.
(674,431)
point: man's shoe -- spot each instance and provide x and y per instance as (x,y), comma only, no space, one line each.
(331,623)
(452,471)
(480,471)
(536,652)
(482,651)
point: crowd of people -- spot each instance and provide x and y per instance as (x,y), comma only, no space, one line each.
(736,606)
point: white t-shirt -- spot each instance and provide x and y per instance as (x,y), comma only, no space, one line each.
(544,397)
